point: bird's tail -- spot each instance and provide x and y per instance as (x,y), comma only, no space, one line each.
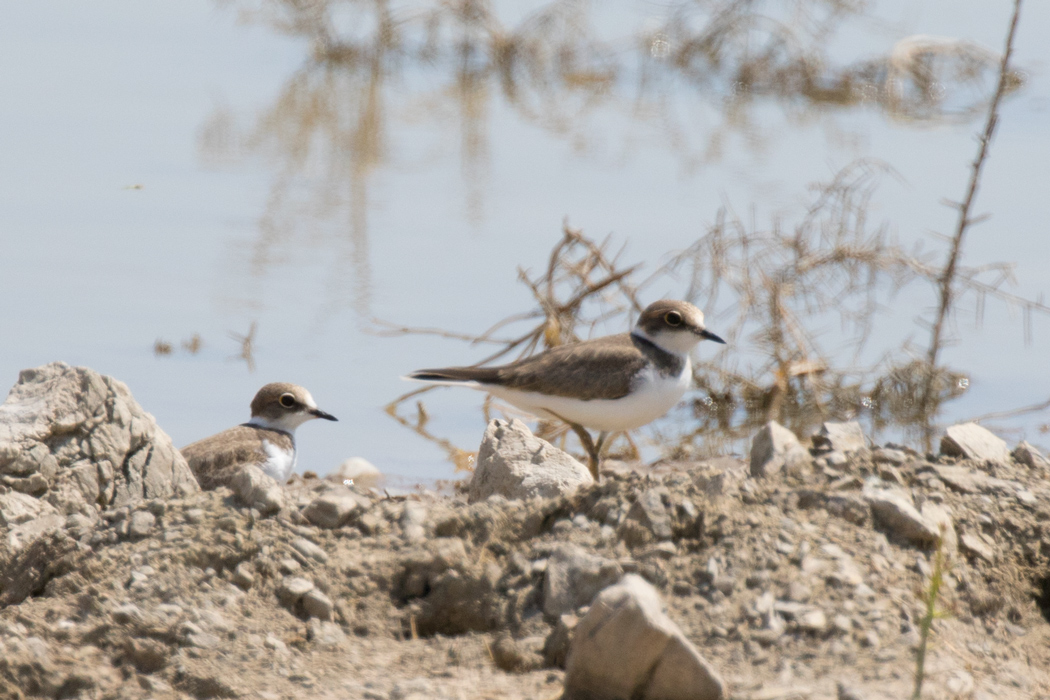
(455,376)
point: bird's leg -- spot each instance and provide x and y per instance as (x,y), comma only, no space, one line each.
(588,444)
(593,452)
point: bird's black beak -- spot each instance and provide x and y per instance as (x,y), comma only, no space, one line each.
(321,414)
(708,335)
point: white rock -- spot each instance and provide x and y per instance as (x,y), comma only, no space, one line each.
(627,647)
(80,439)
(894,510)
(317,604)
(359,470)
(335,509)
(840,437)
(971,441)
(17,508)
(775,447)
(257,489)
(515,464)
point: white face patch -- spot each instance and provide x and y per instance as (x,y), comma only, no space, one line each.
(308,400)
(287,422)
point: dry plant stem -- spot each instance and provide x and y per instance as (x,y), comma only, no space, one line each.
(930,597)
(947,277)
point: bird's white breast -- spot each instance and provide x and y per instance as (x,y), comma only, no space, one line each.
(652,396)
(279,463)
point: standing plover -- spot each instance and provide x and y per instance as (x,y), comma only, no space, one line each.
(609,384)
(267,440)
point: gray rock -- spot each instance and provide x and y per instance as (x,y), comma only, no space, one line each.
(627,647)
(17,508)
(971,441)
(574,577)
(894,510)
(317,604)
(650,513)
(1030,457)
(335,508)
(515,464)
(840,437)
(813,621)
(78,439)
(257,489)
(141,524)
(775,447)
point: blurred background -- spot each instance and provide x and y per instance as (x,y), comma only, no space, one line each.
(201,197)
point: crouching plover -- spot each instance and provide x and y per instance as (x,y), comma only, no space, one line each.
(267,440)
(609,384)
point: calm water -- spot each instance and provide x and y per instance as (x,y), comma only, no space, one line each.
(190,168)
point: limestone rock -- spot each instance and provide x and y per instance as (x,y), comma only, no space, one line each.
(775,447)
(335,508)
(574,577)
(141,523)
(293,588)
(971,441)
(357,470)
(255,488)
(627,647)
(515,464)
(894,510)
(840,437)
(1030,457)
(77,438)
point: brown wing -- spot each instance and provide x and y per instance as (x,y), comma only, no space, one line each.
(214,459)
(594,369)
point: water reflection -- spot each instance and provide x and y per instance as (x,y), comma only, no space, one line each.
(692,78)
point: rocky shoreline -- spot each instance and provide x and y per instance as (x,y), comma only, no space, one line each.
(795,574)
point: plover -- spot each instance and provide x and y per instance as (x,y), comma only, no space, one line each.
(610,384)
(267,440)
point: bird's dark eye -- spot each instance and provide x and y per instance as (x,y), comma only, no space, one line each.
(673,318)
(287,400)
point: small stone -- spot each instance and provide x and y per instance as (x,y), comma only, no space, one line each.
(886,455)
(775,447)
(127,613)
(556,648)
(293,588)
(515,464)
(972,441)
(1030,457)
(413,516)
(141,524)
(840,437)
(813,621)
(317,604)
(289,566)
(894,510)
(573,577)
(243,575)
(975,545)
(359,472)
(309,550)
(334,509)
